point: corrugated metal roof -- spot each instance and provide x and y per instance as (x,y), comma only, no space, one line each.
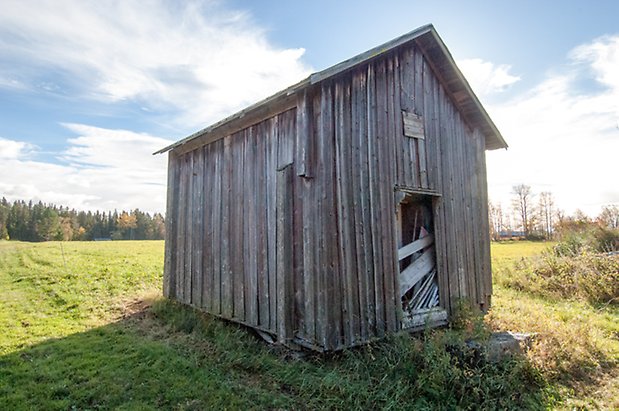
(440,59)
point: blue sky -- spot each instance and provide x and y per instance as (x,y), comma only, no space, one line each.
(89,89)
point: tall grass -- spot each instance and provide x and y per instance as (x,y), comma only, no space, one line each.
(570,302)
(435,370)
(584,276)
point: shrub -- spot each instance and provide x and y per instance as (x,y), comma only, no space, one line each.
(598,239)
(593,277)
(536,236)
(606,240)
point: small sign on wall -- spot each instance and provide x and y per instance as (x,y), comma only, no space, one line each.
(413,125)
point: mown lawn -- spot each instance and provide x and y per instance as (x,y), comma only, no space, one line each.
(84,327)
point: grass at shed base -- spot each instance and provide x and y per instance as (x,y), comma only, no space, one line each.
(91,331)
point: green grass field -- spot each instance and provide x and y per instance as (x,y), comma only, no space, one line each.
(85,327)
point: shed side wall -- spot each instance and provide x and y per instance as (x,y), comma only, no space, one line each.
(222,225)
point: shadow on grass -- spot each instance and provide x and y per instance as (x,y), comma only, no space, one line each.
(172,357)
(139,362)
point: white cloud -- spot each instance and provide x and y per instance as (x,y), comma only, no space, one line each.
(603,56)
(191,58)
(486,77)
(193,61)
(14,149)
(101,169)
(564,138)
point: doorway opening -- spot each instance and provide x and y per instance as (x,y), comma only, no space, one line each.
(419,288)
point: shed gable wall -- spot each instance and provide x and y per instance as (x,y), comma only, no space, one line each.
(347,286)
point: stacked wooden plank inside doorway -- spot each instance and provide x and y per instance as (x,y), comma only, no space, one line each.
(419,287)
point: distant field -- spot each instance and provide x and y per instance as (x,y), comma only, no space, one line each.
(507,252)
(84,327)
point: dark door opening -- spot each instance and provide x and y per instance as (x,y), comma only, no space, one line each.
(419,289)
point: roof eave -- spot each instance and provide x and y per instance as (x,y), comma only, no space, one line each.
(493,138)
(246,112)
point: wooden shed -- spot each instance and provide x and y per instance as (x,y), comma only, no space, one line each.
(348,206)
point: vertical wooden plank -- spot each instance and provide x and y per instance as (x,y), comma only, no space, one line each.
(330,267)
(233,226)
(376,132)
(345,213)
(304,125)
(485,225)
(284,229)
(471,193)
(271,176)
(465,142)
(448,198)
(216,221)
(169,266)
(440,223)
(226,233)
(398,139)
(366,222)
(262,262)
(419,109)
(486,260)
(351,172)
(389,247)
(429,125)
(286,147)
(358,116)
(461,215)
(285,157)
(407,102)
(454,222)
(448,201)
(246,197)
(198,227)
(182,232)
(458,219)
(304,140)
(207,245)
(286,139)
(298,260)
(250,225)
(237,204)
(189,229)
(319,221)
(309,265)
(394,178)
(476,223)
(171,223)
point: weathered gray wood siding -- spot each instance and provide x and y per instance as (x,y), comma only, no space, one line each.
(347,286)
(222,223)
(289,225)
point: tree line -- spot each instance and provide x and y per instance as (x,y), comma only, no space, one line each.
(537,217)
(29,221)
